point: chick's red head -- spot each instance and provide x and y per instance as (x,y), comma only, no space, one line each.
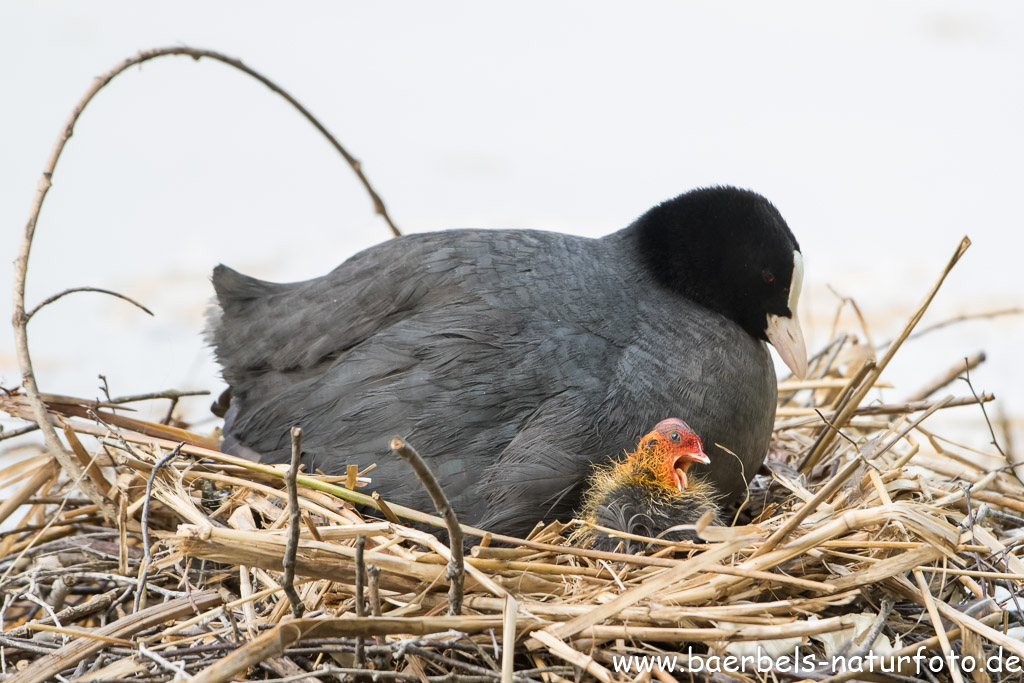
(647,492)
(670,449)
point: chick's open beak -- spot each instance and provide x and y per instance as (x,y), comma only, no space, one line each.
(683,462)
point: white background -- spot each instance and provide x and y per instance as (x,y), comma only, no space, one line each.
(882,131)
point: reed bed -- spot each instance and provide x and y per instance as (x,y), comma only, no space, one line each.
(870,548)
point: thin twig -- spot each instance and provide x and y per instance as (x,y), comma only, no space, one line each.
(397,675)
(893,408)
(114,578)
(876,628)
(294,527)
(55,297)
(10,434)
(70,614)
(35,647)
(373,583)
(843,300)
(105,388)
(456,568)
(839,431)
(171,667)
(945,378)
(1016,310)
(454,663)
(981,404)
(360,591)
(147,557)
(173,394)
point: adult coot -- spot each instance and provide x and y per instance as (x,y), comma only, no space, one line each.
(648,492)
(515,359)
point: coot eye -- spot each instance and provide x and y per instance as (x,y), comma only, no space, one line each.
(769,276)
(674,436)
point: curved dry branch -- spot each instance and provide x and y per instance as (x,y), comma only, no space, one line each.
(50,299)
(20,318)
(456,568)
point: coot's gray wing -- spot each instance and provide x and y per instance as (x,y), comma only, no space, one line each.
(541,473)
(268,333)
(459,384)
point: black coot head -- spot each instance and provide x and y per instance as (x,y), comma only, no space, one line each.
(731,251)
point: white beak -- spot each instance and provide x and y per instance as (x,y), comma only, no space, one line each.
(787,338)
(784,333)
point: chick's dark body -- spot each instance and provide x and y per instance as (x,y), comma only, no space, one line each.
(512,360)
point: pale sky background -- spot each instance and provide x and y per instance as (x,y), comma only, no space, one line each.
(882,131)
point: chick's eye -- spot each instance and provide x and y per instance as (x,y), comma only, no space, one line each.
(674,436)
(769,276)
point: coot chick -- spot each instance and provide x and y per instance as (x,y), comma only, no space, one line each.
(513,360)
(649,491)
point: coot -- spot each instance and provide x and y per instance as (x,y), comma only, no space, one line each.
(513,360)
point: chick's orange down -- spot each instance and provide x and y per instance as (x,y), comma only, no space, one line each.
(649,492)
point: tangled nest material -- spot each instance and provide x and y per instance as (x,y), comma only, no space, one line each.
(872,540)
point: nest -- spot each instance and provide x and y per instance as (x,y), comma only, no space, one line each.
(869,548)
(868,544)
